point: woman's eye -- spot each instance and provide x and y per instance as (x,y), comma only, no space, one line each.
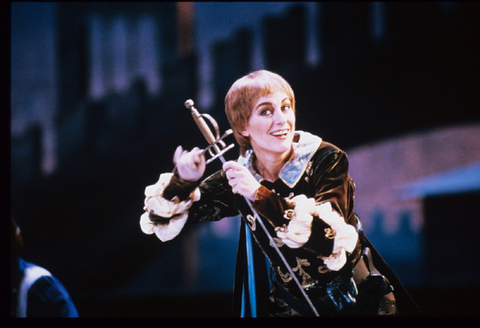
(265,112)
(286,107)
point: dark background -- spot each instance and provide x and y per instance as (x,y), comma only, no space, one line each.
(80,219)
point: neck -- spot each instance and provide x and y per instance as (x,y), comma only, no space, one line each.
(270,165)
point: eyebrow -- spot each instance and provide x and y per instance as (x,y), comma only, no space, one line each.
(269,103)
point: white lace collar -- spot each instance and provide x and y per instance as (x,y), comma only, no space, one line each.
(293,170)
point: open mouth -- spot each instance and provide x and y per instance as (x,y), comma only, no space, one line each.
(280,133)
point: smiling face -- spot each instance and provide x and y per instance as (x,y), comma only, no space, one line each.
(271,125)
(243,96)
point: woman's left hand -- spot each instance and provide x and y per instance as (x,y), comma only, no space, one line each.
(241,180)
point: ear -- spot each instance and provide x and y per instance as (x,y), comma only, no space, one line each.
(244,133)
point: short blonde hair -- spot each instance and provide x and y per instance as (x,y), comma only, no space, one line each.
(243,95)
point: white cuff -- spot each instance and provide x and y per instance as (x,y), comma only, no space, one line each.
(298,231)
(345,236)
(156,204)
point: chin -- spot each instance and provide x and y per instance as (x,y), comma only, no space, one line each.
(282,149)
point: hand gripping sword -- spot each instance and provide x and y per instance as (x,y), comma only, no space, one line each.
(219,148)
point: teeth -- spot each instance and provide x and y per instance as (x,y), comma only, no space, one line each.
(279,133)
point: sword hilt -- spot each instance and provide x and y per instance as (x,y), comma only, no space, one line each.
(217,146)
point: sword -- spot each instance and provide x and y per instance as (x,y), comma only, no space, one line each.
(219,148)
(216,143)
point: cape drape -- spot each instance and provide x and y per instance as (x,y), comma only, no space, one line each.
(251,283)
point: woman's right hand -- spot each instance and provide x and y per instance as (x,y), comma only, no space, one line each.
(190,165)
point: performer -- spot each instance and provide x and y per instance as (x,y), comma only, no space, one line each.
(300,188)
(35,291)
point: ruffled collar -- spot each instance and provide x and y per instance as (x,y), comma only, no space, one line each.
(304,148)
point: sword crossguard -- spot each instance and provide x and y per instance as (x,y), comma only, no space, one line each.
(217,146)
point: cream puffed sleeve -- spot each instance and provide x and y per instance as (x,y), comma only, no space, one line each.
(298,231)
(174,212)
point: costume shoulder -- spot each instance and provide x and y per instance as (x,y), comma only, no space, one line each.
(327,157)
(327,148)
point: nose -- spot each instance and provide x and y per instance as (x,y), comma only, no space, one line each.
(279,116)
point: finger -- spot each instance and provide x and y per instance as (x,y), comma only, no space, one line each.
(194,151)
(197,155)
(230,165)
(236,166)
(231,174)
(177,154)
(233,185)
(225,167)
